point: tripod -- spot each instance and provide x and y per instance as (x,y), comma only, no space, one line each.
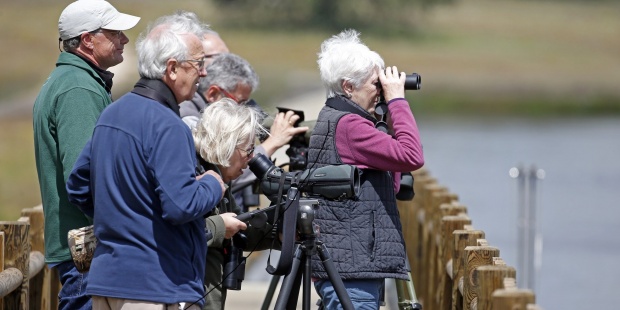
(307,245)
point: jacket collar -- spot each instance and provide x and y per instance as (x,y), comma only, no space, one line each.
(69,59)
(105,75)
(158,91)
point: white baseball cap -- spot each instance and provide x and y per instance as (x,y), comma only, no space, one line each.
(89,15)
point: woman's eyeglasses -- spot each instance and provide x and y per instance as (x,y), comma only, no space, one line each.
(248,152)
(231,96)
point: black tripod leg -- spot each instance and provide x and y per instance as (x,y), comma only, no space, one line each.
(293,279)
(334,277)
(270,291)
(307,283)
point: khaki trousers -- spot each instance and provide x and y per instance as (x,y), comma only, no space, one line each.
(109,303)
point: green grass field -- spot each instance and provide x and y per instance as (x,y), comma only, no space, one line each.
(497,57)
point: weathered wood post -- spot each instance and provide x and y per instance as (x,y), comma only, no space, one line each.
(449,223)
(488,279)
(475,256)
(511,297)
(40,278)
(421,271)
(462,239)
(16,256)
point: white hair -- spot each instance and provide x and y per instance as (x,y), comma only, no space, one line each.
(165,39)
(223,126)
(344,57)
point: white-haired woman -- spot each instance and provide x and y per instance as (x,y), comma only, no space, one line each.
(224,138)
(363,234)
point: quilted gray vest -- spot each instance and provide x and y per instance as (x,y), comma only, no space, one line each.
(362,234)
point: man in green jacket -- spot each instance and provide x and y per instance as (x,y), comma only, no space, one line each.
(64,115)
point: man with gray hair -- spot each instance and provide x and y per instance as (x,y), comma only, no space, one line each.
(147,202)
(228,76)
(64,115)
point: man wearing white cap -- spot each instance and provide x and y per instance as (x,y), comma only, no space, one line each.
(64,115)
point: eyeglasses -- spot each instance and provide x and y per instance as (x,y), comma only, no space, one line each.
(248,152)
(200,62)
(115,33)
(231,96)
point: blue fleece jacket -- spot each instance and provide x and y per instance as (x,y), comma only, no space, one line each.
(136,178)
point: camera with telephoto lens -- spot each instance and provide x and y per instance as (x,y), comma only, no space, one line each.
(331,182)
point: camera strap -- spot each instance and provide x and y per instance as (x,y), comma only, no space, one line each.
(289,223)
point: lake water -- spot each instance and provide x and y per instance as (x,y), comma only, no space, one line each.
(578,200)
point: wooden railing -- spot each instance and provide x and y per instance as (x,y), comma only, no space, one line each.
(25,280)
(452,265)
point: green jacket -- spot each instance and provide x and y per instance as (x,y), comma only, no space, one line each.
(64,115)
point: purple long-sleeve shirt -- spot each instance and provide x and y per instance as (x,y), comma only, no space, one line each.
(359,143)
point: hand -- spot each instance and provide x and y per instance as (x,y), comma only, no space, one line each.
(232,224)
(393,83)
(223,185)
(282,131)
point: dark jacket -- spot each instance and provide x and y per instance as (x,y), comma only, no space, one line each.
(363,234)
(136,176)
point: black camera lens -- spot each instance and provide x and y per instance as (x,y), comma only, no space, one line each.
(260,165)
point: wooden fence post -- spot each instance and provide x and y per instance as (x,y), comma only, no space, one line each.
(1,265)
(475,256)
(17,255)
(487,279)
(449,224)
(462,239)
(40,295)
(423,217)
(511,297)
(435,195)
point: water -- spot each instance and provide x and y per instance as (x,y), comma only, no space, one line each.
(578,201)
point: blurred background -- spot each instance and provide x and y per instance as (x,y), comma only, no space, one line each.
(505,83)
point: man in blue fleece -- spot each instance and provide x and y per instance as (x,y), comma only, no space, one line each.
(136,178)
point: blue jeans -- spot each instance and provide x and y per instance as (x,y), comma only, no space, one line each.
(364,294)
(71,295)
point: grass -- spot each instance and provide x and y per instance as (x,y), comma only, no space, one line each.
(495,57)
(18,186)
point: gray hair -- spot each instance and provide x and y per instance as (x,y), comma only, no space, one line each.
(223,126)
(344,57)
(69,45)
(163,40)
(227,71)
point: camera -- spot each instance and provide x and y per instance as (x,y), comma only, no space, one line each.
(298,146)
(331,182)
